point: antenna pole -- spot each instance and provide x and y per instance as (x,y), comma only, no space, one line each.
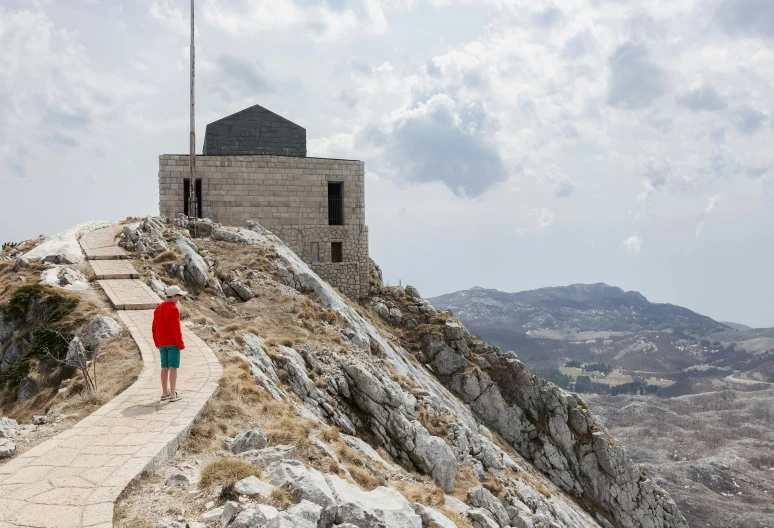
(192,202)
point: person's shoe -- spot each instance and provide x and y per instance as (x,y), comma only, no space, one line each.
(176,397)
(167,396)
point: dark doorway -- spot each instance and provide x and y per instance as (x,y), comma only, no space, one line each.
(337,252)
(335,204)
(198,190)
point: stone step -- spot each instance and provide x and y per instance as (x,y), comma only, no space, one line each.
(129,294)
(114,269)
(107,253)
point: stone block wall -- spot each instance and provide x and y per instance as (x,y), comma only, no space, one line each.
(254,131)
(344,275)
(288,196)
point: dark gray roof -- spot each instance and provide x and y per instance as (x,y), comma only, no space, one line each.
(254,131)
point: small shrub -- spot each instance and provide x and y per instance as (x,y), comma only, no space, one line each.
(226,472)
(281,499)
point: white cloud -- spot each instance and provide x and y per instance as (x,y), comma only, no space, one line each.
(322,20)
(538,220)
(171,17)
(632,245)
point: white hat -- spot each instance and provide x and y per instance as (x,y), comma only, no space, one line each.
(171,291)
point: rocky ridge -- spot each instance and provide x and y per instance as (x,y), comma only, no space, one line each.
(409,379)
(438,401)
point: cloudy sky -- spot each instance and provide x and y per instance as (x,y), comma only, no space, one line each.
(508,144)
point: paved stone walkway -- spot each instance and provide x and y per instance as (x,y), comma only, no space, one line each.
(101,244)
(131,294)
(74,479)
(114,269)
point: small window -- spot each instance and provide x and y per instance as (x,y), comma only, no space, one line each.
(337,252)
(197,191)
(335,204)
(315,252)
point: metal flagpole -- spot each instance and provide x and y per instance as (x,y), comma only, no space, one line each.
(192,204)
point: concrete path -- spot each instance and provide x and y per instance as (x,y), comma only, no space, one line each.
(114,269)
(101,244)
(74,479)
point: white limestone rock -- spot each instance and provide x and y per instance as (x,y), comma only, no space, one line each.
(8,427)
(242,290)
(248,440)
(7,448)
(65,277)
(252,485)
(382,506)
(196,271)
(303,484)
(432,518)
(64,248)
(101,328)
(480,497)
(235,235)
(263,458)
(230,510)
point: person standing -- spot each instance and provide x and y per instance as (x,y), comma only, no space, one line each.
(168,338)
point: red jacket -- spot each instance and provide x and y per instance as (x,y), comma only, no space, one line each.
(166,326)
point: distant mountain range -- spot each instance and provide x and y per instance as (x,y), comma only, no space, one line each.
(575,308)
(598,323)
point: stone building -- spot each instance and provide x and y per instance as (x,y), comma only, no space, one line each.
(255,168)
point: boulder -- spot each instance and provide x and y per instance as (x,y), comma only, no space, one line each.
(27,389)
(21,263)
(303,484)
(249,518)
(212,515)
(230,510)
(157,285)
(481,518)
(395,316)
(178,480)
(248,441)
(101,328)
(454,331)
(66,278)
(39,420)
(242,290)
(196,271)
(77,355)
(268,456)
(412,292)
(8,427)
(254,486)
(7,448)
(382,506)
(236,235)
(303,515)
(482,498)
(432,518)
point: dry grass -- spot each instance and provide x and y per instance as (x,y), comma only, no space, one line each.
(361,468)
(436,426)
(456,518)
(166,256)
(280,499)
(466,479)
(426,493)
(226,472)
(118,366)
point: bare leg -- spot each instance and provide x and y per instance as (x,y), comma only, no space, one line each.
(172,380)
(164,375)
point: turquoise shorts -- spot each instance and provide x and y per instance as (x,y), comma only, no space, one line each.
(170,356)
